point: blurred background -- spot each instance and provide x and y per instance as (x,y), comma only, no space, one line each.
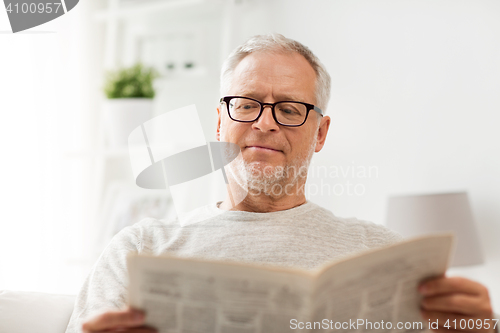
(414,107)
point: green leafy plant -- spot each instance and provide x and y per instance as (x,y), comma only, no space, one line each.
(131,82)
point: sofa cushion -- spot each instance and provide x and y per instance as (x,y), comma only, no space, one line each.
(22,312)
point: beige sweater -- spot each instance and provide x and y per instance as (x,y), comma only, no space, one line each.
(306,236)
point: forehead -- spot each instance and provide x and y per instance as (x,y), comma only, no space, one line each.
(274,75)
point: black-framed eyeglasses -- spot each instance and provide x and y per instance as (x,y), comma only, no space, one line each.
(286,113)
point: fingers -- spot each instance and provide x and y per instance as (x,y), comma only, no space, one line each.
(114,319)
(138,330)
(453,303)
(456,294)
(455,299)
(441,317)
(446,285)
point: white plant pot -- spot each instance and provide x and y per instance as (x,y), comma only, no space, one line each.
(122,115)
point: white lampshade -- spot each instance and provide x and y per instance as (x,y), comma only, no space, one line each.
(415,215)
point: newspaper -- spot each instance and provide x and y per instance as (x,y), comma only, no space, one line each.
(367,292)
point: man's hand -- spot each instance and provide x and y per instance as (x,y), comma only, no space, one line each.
(453,298)
(129,320)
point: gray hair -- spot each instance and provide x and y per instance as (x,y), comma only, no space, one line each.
(277,43)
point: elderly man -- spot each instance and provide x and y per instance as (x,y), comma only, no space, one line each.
(276,91)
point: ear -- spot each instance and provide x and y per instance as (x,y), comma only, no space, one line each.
(322,132)
(217,134)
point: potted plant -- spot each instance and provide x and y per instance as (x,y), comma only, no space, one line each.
(129,103)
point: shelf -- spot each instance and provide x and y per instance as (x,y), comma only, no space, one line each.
(101,153)
(182,74)
(151,7)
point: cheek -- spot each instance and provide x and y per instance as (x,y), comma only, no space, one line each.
(229,130)
(223,130)
(301,145)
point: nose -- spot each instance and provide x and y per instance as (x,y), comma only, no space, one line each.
(266,122)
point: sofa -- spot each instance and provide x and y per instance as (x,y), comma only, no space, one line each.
(30,312)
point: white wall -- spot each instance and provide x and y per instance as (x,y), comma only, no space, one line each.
(414,93)
(414,99)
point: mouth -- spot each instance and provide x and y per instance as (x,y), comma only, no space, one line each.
(263,148)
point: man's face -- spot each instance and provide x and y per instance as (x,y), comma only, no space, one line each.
(267,147)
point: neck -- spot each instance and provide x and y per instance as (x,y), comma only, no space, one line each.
(253,201)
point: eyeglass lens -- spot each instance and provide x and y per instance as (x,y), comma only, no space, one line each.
(287,113)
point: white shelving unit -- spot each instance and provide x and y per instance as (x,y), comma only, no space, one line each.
(177,38)
(132,9)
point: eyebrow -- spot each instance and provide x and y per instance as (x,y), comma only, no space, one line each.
(284,97)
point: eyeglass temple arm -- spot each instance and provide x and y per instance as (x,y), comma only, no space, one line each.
(318,110)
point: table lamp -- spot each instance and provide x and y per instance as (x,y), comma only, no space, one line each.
(415,215)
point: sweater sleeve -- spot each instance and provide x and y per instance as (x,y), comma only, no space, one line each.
(105,288)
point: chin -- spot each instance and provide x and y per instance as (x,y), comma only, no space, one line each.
(258,168)
(262,164)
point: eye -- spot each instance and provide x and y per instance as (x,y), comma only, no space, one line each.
(245,105)
(248,106)
(288,109)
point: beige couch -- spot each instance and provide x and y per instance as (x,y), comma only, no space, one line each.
(32,312)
